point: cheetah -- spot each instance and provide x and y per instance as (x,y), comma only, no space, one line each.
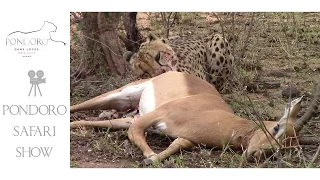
(208,58)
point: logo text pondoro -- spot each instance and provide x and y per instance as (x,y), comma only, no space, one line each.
(27,41)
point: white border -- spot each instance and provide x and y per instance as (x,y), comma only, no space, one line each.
(60,10)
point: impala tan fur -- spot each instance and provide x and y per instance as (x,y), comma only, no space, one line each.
(192,111)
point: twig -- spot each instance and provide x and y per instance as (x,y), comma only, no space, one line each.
(92,81)
(174,19)
(102,44)
(258,122)
(246,41)
(163,17)
(221,24)
(168,25)
(168,19)
(166,22)
(288,51)
(233,33)
(316,155)
(303,158)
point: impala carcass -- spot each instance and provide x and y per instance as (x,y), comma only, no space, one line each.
(190,110)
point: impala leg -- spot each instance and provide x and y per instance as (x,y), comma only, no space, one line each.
(137,130)
(174,147)
(137,136)
(123,123)
(122,99)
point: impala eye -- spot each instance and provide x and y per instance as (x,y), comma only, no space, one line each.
(157,58)
(276,128)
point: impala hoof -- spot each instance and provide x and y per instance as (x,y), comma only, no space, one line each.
(147,161)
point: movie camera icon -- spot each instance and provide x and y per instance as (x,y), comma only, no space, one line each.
(35,81)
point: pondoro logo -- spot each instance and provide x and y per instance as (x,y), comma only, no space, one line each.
(27,44)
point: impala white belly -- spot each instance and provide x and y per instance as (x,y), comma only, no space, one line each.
(128,97)
(147,100)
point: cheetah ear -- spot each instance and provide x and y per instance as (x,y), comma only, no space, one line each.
(152,37)
(127,55)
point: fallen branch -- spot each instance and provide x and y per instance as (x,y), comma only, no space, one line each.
(309,140)
(312,109)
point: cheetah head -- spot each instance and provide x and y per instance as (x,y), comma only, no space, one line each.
(154,57)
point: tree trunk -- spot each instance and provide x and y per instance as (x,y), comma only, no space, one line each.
(108,26)
(90,48)
(134,37)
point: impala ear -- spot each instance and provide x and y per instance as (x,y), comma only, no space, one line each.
(290,114)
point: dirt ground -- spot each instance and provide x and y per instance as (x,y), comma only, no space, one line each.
(282,48)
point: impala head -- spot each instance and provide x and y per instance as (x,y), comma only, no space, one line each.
(282,132)
(154,57)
